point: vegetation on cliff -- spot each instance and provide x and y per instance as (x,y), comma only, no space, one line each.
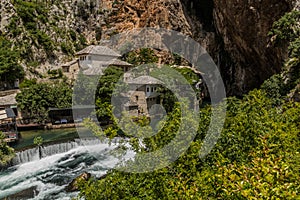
(287,31)
(10,68)
(38,34)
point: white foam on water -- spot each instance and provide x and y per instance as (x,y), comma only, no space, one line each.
(93,157)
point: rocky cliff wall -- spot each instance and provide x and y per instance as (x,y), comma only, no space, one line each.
(243,26)
(234,32)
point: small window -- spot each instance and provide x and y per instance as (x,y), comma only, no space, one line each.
(66,69)
(136,98)
(152,89)
(148,89)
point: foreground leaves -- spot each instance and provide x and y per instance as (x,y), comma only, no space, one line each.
(257,157)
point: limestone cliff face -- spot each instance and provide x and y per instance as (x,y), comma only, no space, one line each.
(234,32)
(169,14)
(243,27)
(127,15)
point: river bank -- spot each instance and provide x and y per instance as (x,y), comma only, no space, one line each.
(48,126)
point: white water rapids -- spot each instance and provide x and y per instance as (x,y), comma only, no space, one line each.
(59,165)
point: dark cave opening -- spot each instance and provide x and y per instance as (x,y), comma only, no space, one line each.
(203,10)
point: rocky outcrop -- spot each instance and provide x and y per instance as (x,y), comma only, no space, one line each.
(24,194)
(127,15)
(243,27)
(73,186)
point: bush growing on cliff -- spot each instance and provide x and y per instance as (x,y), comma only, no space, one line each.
(10,69)
(287,30)
(142,56)
(286,27)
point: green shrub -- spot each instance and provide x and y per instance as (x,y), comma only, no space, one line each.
(274,88)
(67,48)
(6,152)
(142,56)
(10,69)
(26,83)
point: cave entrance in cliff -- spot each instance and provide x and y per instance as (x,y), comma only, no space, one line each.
(203,10)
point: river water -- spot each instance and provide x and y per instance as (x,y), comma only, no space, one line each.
(51,168)
(27,137)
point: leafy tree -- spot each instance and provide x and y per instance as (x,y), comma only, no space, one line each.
(287,31)
(285,27)
(6,152)
(274,88)
(37,99)
(27,83)
(106,86)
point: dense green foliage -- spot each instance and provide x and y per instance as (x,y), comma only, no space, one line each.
(10,69)
(36,100)
(141,56)
(102,88)
(287,31)
(6,152)
(27,83)
(105,90)
(256,157)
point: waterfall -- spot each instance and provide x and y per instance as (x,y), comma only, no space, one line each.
(58,148)
(26,156)
(48,150)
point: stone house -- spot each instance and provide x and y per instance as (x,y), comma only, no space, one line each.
(93,60)
(8,100)
(142,95)
(71,69)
